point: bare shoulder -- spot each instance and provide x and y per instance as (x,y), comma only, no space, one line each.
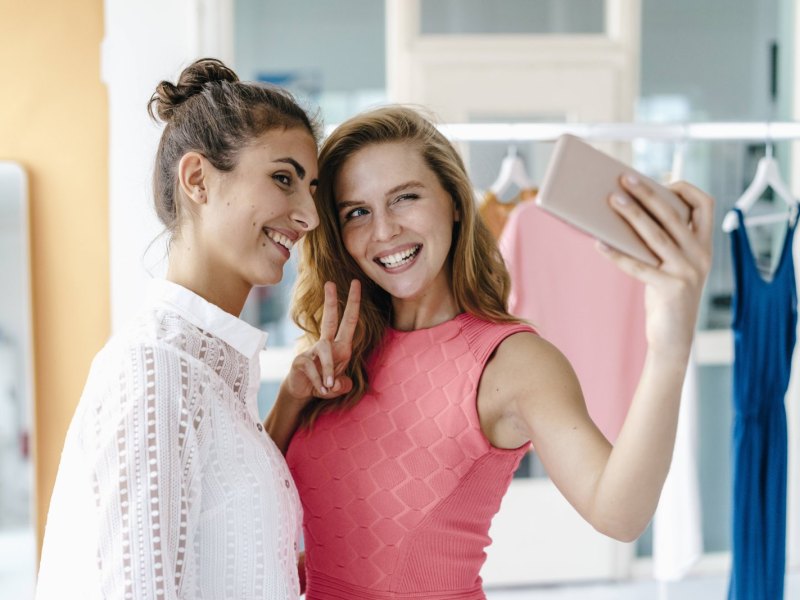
(525,357)
(526,380)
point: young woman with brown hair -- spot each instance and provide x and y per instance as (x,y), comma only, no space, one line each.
(168,486)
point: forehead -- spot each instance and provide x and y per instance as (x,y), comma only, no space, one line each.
(379,167)
(274,144)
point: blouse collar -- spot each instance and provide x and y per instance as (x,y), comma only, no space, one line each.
(235,332)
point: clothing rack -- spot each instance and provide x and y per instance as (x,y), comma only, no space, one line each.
(673,132)
(713,347)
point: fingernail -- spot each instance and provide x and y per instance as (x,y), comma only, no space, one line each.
(329,382)
(631,179)
(619,198)
(323,390)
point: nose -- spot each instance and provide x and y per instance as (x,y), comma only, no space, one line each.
(384,226)
(305,213)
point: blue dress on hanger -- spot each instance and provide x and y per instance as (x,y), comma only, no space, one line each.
(764,322)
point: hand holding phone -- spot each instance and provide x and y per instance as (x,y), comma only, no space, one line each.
(576,188)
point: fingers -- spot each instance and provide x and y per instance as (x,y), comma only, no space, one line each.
(316,370)
(702,209)
(700,204)
(330,328)
(307,366)
(317,367)
(665,214)
(341,386)
(651,231)
(330,312)
(635,268)
(350,316)
(684,248)
(324,353)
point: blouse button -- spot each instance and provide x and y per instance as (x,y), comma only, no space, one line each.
(260,427)
(286,483)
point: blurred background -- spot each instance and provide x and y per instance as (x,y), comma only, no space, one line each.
(78,237)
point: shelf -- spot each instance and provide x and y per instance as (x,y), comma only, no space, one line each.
(714,347)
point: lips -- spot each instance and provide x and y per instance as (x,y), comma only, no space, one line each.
(279,238)
(400,258)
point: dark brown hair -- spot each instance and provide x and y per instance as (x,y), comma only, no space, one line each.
(210,111)
(480,281)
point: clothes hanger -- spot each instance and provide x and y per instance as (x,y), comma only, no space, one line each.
(679,157)
(767,176)
(512,171)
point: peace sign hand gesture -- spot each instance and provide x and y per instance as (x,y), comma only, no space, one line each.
(319,371)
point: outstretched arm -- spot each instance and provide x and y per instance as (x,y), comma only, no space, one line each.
(319,371)
(615,489)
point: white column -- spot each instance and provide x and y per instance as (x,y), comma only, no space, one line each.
(146,41)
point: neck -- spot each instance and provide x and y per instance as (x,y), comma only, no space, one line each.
(190,269)
(428,310)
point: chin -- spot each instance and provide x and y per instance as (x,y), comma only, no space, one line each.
(403,293)
(264,279)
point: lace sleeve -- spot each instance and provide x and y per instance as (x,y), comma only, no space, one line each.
(146,476)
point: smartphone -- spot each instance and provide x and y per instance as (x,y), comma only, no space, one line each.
(576,187)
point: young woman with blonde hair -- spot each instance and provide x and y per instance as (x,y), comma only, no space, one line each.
(401,476)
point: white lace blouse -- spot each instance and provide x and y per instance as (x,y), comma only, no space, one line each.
(168,485)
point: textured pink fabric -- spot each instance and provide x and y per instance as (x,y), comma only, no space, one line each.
(398,492)
(581,302)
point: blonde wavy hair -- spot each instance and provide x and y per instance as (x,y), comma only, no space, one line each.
(480,281)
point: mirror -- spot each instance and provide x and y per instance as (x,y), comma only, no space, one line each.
(17,531)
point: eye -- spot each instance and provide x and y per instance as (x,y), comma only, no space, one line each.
(356,212)
(283,179)
(407,197)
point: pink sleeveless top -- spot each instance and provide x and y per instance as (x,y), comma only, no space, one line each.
(399,491)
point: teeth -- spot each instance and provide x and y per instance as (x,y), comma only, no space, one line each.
(279,238)
(399,258)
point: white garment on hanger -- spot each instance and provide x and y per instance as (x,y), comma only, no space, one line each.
(677,526)
(512,172)
(767,176)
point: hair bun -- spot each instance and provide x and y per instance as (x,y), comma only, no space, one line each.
(192,80)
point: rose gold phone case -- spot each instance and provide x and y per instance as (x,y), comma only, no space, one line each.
(576,187)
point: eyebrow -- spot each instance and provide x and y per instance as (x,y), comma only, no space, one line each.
(404,186)
(398,188)
(301,172)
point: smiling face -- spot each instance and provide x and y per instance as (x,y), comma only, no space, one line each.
(396,220)
(257,212)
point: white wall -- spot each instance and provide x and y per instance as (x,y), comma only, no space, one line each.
(714,52)
(13,306)
(342,40)
(15,300)
(146,41)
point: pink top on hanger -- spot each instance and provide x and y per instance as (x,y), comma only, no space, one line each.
(582,303)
